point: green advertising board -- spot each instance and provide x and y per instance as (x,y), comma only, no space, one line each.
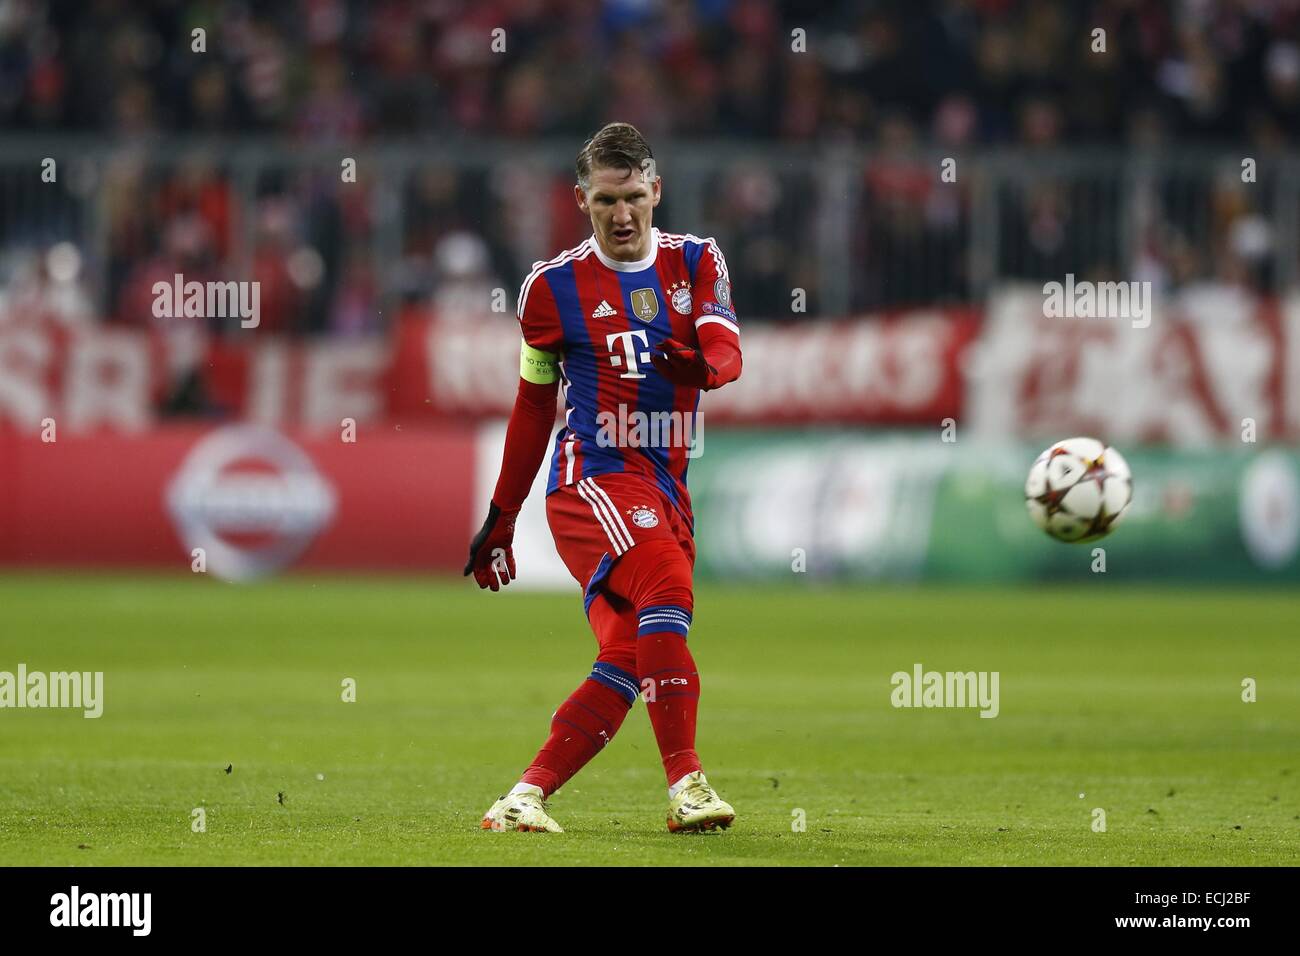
(907,506)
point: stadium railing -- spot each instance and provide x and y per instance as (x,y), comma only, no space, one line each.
(809,232)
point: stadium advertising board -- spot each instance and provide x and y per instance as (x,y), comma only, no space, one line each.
(254,499)
(910,507)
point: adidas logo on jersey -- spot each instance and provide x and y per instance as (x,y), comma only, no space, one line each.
(604,310)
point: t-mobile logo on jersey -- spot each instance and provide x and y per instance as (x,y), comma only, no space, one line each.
(631,354)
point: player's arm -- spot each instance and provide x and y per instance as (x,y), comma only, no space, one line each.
(715,361)
(491,554)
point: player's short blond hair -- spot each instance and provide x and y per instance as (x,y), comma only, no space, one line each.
(615,146)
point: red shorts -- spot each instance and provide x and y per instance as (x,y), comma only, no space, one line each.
(596,520)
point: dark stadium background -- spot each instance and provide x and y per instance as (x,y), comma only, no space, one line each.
(892,184)
(809,139)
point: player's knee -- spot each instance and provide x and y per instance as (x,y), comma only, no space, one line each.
(618,675)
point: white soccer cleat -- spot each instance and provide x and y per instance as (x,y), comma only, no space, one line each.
(524,812)
(696,807)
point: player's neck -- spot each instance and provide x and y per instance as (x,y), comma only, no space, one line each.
(646,260)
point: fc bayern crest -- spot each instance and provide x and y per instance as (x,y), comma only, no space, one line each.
(643,516)
(681,297)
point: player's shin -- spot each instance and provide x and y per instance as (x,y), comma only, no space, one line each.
(582,726)
(671,685)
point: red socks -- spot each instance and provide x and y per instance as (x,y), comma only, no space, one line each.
(592,715)
(654,577)
(673,697)
(582,726)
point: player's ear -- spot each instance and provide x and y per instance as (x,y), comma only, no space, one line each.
(658,190)
(580,195)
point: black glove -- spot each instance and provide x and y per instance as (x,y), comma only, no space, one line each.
(491,556)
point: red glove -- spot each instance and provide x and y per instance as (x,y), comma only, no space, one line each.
(683,365)
(491,557)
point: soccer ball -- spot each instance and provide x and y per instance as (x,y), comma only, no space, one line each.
(1078,489)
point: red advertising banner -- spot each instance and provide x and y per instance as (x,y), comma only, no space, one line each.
(1203,369)
(1209,368)
(254,499)
(895,369)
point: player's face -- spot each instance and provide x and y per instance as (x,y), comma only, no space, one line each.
(620,206)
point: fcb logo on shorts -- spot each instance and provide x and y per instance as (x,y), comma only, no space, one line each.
(643,516)
(645,304)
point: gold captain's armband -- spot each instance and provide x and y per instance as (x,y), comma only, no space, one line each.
(536,366)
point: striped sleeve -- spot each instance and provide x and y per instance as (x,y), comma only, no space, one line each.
(539,319)
(714,305)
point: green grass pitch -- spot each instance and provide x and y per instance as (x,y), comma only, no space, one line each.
(1116,698)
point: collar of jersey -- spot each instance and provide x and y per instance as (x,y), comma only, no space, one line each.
(619,266)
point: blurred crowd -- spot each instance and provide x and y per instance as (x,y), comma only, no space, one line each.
(989,71)
(896,77)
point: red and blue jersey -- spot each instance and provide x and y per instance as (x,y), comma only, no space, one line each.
(602,317)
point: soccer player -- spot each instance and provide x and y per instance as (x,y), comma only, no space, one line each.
(632,320)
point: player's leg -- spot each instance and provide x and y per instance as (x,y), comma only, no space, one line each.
(655,578)
(593,713)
